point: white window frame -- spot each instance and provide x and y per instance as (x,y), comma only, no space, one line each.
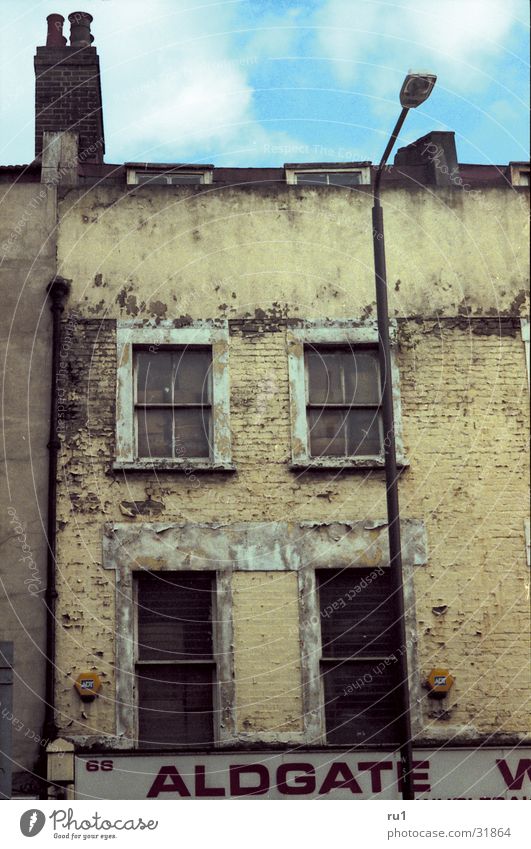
(340,332)
(364,171)
(214,334)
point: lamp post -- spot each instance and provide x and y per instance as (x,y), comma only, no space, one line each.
(416,88)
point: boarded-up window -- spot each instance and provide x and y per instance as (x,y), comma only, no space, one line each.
(175,667)
(359,669)
(343,401)
(173,402)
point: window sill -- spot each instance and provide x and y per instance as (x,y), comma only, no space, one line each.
(345,463)
(164,465)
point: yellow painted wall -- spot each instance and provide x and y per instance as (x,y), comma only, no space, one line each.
(230,251)
(464,413)
(266,651)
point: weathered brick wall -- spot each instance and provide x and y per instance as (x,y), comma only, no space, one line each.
(68,97)
(465,420)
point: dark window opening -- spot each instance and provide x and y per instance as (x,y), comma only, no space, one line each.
(175,666)
(173,402)
(359,668)
(168,178)
(343,401)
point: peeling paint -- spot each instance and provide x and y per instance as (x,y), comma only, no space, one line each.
(157,308)
(141,508)
(446,368)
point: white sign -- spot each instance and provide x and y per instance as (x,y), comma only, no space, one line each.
(438,774)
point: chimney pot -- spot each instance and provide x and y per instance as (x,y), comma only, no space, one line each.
(68,91)
(80,35)
(55,37)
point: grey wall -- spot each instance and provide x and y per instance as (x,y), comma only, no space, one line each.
(27,264)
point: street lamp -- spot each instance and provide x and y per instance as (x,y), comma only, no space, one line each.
(416,88)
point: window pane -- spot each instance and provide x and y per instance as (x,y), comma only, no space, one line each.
(153,374)
(360,705)
(324,376)
(363,432)
(154,432)
(192,374)
(344,178)
(174,614)
(362,381)
(182,178)
(168,178)
(175,705)
(357,613)
(310,177)
(327,432)
(151,177)
(192,432)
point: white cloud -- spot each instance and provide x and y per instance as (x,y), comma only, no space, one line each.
(275,34)
(458,39)
(177,75)
(174,83)
(171,81)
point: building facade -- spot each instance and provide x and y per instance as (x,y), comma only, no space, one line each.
(223,615)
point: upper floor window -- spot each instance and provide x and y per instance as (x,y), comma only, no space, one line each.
(519,173)
(335,396)
(343,401)
(139,174)
(328,174)
(329,178)
(173,403)
(173,396)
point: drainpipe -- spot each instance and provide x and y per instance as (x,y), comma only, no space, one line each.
(6,727)
(57,290)
(391,471)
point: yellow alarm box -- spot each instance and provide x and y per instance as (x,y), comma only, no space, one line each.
(439,682)
(88,685)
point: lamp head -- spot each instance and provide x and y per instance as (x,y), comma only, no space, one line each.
(416,88)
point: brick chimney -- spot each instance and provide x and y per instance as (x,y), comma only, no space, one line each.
(437,152)
(67,87)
